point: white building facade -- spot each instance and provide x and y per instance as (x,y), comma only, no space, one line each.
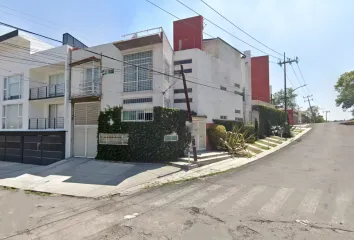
(61,90)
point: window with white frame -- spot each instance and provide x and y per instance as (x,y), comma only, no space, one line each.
(137,73)
(223,117)
(13,87)
(56,84)
(91,80)
(137,115)
(12,116)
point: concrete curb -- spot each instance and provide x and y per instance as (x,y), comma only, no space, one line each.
(211,169)
(135,185)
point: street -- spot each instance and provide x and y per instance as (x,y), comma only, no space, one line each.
(304,191)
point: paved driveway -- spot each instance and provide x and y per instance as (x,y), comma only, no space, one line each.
(81,177)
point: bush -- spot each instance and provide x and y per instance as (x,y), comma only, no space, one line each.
(215,133)
(146,139)
(234,142)
(228,124)
(268,117)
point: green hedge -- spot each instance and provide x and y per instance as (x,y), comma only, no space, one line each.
(268,117)
(146,139)
(251,133)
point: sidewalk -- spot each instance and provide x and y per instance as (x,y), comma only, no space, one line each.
(91,178)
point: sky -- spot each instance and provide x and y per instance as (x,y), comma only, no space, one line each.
(319,32)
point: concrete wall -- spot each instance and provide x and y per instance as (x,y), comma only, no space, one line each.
(168,59)
(11,67)
(248,87)
(223,51)
(260,78)
(210,100)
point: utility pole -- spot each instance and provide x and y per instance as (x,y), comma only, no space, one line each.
(189,112)
(326,113)
(289,61)
(308,100)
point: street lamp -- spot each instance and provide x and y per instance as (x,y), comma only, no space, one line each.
(299,87)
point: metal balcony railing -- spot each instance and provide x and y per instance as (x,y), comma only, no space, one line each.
(46,123)
(57,90)
(87,90)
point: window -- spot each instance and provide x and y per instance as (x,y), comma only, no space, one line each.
(182,90)
(188,70)
(113,139)
(56,85)
(223,117)
(137,115)
(137,100)
(237,85)
(12,116)
(183,62)
(13,87)
(237,111)
(223,88)
(181,100)
(56,116)
(139,77)
(91,80)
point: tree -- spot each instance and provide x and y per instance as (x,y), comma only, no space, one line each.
(319,119)
(278,98)
(316,114)
(345,89)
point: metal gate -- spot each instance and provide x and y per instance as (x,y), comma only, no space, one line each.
(40,148)
(199,133)
(85,129)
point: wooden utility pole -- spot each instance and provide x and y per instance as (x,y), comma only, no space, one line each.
(189,112)
(285,98)
(326,114)
(308,100)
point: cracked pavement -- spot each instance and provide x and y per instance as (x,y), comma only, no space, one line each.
(303,191)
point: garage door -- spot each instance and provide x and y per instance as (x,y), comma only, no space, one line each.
(85,129)
(41,148)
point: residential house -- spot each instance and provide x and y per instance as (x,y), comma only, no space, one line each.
(58,92)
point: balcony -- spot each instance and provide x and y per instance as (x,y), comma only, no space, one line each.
(44,92)
(46,123)
(140,39)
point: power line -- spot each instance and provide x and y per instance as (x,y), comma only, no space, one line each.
(122,61)
(287,77)
(176,17)
(240,28)
(63,58)
(42,19)
(224,30)
(297,78)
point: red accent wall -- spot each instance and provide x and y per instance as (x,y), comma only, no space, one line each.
(190,31)
(260,78)
(290,116)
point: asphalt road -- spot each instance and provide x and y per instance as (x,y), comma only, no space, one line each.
(304,191)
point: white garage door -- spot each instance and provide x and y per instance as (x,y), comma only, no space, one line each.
(85,129)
